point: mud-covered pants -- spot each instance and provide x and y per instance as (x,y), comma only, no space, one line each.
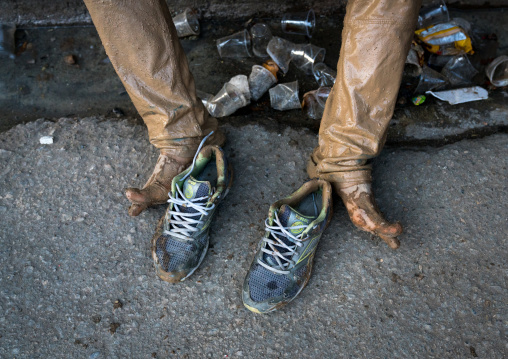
(141,42)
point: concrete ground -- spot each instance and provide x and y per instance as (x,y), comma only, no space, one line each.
(77,279)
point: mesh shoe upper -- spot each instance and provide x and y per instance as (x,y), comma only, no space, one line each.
(174,254)
(182,236)
(264,284)
(283,262)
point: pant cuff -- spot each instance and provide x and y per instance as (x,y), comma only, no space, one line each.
(187,147)
(346,178)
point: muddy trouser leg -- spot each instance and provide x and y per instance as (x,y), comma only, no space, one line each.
(376,38)
(141,41)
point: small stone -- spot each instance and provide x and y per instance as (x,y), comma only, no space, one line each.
(419,276)
(117,304)
(118,112)
(395,277)
(80,342)
(70,60)
(46,140)
(113,327)
(94,355)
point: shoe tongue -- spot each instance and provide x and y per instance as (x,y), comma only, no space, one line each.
(289,218)
(193,188)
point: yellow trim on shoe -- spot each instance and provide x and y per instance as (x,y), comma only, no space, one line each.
(252,309)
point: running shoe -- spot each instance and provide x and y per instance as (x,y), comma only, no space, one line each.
(283,263)
(182,236)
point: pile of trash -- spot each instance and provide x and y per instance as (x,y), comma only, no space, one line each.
(437,64)
(439,61)
(278,53)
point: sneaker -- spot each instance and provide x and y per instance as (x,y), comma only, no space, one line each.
(182,236)
(283,263)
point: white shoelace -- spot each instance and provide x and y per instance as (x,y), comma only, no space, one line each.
(283,259)
(182,223)
(186,223)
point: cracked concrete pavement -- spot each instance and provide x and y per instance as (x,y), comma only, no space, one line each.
(77,279)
